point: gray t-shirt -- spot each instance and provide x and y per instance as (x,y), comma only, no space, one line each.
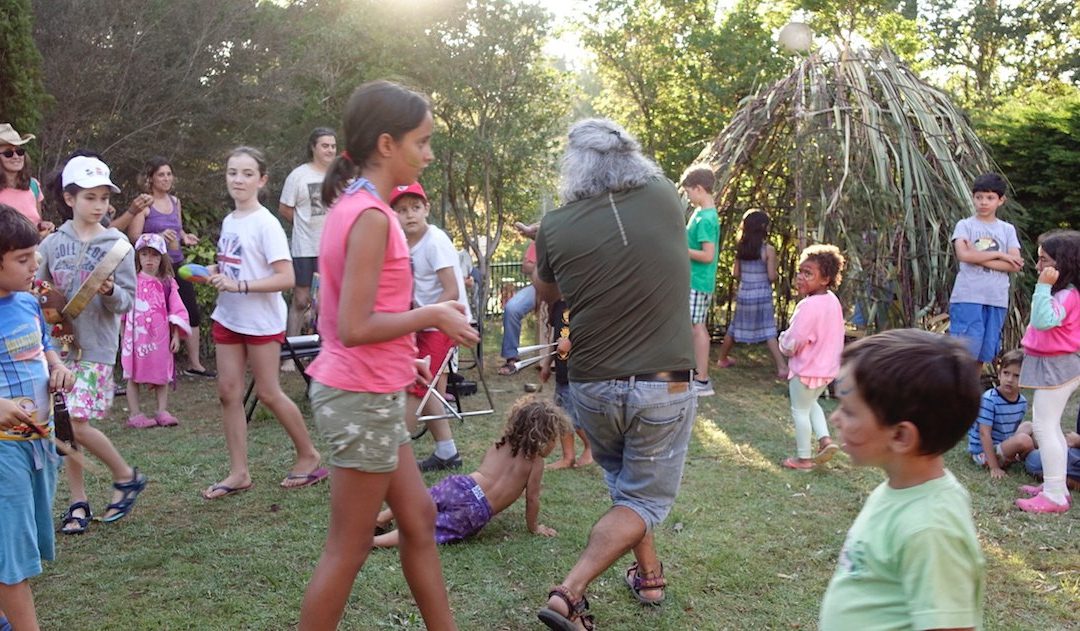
(303,191)
(626,277)
(975,283)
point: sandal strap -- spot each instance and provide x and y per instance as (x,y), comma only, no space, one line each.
(136,483)
(577,608)
(643,582)
(74,507)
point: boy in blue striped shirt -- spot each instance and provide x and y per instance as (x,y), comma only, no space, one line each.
(999,437)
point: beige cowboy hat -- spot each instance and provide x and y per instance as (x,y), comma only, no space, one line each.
(9,136)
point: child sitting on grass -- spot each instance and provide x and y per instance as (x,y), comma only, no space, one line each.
(911,559)
(998,437)
(515,463)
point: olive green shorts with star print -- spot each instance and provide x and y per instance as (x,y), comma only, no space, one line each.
(363,429)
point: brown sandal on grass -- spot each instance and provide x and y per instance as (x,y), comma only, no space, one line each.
(576,611)
(636,582)
(508,369)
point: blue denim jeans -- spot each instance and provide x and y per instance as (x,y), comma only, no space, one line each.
(519,306)
(639,431)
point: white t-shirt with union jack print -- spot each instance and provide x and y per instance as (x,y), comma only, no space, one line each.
(246,249)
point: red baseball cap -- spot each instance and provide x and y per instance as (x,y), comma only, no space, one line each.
(412,189)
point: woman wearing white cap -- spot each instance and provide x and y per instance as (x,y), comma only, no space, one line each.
(17,188)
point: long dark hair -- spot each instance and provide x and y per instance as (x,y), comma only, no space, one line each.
(375,108)
(1064,247)
(22,178)
(149,169)
(752,233)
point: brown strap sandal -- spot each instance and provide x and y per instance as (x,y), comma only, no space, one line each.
(636,582)
(576,609)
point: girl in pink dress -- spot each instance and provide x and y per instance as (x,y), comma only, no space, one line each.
(152,331)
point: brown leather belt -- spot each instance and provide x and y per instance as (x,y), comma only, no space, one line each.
(667,376)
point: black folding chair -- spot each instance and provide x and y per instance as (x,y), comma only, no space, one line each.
(300,349)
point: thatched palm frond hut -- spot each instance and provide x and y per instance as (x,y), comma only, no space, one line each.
(860,152)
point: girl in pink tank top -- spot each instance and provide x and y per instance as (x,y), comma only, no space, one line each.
(367,355)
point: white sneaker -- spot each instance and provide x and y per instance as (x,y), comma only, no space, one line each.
(703,388)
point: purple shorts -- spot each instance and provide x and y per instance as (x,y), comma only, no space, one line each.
(463,509)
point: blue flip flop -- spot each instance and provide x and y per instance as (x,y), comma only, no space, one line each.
(130,490)
(227,491)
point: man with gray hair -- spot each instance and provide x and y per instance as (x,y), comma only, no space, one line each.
(616,251)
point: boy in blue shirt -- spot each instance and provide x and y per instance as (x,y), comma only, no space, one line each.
(703,239)
(988,251)
(28,462)
(911,559)
(999,437)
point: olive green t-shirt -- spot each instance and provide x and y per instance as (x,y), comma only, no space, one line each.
(625,275)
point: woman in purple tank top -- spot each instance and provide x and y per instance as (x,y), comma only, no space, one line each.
(163,217)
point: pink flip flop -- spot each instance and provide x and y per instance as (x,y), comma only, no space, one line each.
(316,476)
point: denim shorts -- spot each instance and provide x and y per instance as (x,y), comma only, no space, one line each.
(639,432)
(28,470)
(364,429)
(979,326)
(564,398)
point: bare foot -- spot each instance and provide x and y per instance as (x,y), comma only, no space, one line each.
(585,459)
(559,464)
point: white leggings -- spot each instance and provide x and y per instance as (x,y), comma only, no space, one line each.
(1047,406)
(808,415)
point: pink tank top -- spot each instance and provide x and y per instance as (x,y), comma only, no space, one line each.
(384,366)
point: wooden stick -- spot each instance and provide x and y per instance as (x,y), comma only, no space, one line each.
(65,449)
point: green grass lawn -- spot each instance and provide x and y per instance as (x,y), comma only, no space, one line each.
(748,545)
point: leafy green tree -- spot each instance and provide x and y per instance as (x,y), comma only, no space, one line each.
(500,108)
(188,79)
(1036,144)
(993,48)
(672,73)
(22,95)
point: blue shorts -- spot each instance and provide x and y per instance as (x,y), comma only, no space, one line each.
(980,326)
(639,432)
(1033,464)
(564,398)
(28,475)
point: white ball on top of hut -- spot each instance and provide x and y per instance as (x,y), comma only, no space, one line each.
(796,37)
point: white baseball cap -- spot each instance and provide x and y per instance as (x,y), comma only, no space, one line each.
(87,172)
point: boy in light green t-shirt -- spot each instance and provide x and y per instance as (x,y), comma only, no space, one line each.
(911,559)
(703,239)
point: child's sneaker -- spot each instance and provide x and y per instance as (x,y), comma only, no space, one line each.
(799,464)
(1041,504)
(703,388)
(435,463)
(164,419)
(141,421)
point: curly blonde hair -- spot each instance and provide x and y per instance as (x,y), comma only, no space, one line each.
(531,426)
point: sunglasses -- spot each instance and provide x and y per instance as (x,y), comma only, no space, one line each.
(11,153)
